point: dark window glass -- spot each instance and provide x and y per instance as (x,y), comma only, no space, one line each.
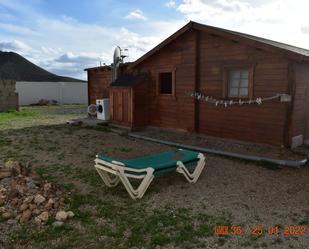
(238,83)
(166,83)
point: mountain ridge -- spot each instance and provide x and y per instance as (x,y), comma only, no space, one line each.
(15,67)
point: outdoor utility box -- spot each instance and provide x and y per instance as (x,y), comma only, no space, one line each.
(8,96)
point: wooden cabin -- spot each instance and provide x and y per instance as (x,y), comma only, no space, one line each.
(246,88)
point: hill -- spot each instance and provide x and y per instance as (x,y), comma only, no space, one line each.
(15,67)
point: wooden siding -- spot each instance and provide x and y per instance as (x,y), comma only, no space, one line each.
(300,118)
(98,84)
(140,104)
(200,60)
(262,124)
(169,111)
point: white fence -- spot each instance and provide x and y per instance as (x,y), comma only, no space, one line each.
(62,92)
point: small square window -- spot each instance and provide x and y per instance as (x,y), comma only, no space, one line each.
(238,83)
(166,83)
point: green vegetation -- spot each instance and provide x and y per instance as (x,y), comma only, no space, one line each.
(107,217)
(125,225)
(36,115)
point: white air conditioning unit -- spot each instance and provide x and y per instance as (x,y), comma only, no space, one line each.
(102,109)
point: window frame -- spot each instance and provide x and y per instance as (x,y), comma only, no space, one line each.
(158,83)
(226,86)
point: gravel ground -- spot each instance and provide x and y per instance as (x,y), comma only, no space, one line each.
(228,145)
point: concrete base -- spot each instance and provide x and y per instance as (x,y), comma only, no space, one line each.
(297,141)
(91,121)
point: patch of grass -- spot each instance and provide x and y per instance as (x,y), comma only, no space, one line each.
(126,225)
(221,241)
(246,243)
(268,165)
(23,113)
(60,156)
(261,163)
(278,241)
(264,244)
(52,148)
(98,128)
(5,142)
(123,149)
(304,222)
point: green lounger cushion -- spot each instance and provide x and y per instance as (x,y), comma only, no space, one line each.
(165,161)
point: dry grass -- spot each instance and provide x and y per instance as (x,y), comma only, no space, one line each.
(173,213)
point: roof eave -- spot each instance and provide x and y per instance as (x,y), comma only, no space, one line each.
(248,41)
(223,33)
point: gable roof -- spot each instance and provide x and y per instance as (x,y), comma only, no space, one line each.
(290,51)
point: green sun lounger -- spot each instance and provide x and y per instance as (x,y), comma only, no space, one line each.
(113,171)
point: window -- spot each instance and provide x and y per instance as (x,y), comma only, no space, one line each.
(238,83)
(166,83)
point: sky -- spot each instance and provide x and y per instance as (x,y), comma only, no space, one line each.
(67,36)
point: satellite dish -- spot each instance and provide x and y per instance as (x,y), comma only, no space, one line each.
(117,61)
(119,55)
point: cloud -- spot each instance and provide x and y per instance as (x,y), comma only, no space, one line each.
(278,20)
(15,46)
(305,29)
(136,14)
(16,29)
(170,4)
(66,45)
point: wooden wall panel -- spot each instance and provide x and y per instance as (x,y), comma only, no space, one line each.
(261,124)
(300,116)
(99,80)
(140,104)
(168,111)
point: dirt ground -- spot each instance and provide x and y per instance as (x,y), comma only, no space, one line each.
(172,214)
(229,145)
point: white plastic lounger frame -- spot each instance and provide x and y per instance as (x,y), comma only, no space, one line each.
(113,172)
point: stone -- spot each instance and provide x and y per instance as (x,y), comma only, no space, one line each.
(49,204)
(43,216)
(3,190)
(61,216)
(51,201)
(36,180)
(2,200)
(7,215)
(11,222)
(28,199)
(2,209)
(37,221)
(23,207)
(25,216)
(32,206)
(47,187)
(5,173)
(31,185)
(20,189)
(14,166)
(70,214)
(39,199)
(57,224)
(36,211)
(15,202)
